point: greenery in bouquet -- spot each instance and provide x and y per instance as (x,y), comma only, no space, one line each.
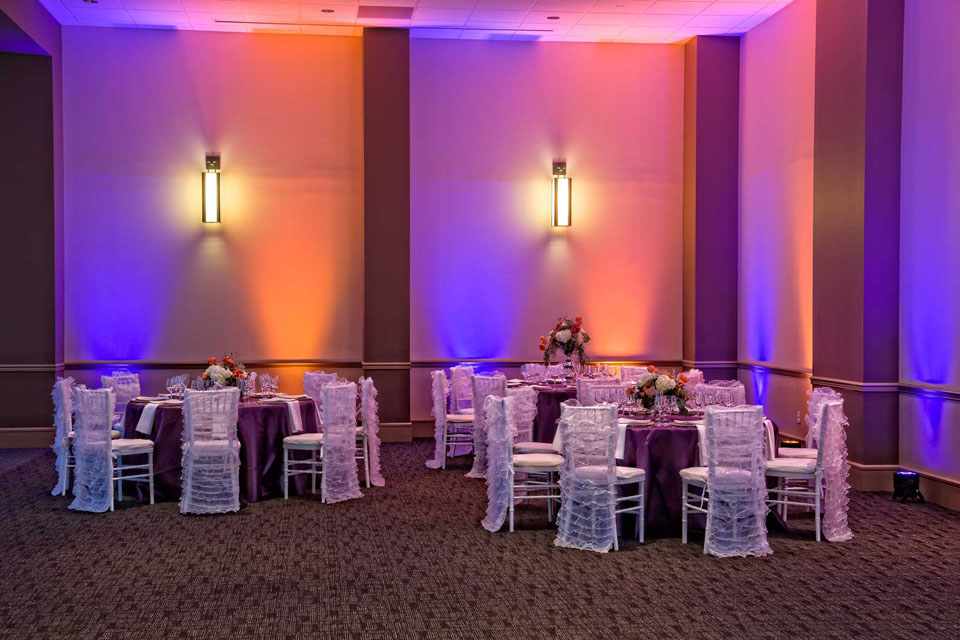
(655,382)
(568,336)
(226,373)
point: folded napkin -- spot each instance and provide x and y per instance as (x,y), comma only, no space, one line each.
(293,408)
(145,424)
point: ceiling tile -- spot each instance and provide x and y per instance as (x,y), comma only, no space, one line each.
(647,32)
(151,5)
(97,17)
(577,6)
(330,31)
(621,6)
(621,19)
(486,15)
(733,8)
(674,7)
(477,34)
(453,4)
(772,8)
(596,30)
(451,15)
(102,4)
(714,21)
(388,3)
(505,5)
(649,20)
(473,24)
(212,6)
(59,12)
(442,34)
(315,13)
(538,27)
(701,31)
(159,17)
(543,17)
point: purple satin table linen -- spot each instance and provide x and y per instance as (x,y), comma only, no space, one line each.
(261,429)
(548,412)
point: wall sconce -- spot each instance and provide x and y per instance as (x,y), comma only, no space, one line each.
(211,190)
(561,195)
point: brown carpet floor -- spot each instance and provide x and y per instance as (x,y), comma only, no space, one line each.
(410,560)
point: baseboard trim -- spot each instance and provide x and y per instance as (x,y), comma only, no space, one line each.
(161,364)
(26,437)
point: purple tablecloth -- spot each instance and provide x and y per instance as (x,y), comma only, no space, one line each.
(548,412)
(261,429)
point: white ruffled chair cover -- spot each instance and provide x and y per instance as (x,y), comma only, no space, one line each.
(631,374)
(723,393)
(211,452)
(815,399)
(370,419)
(340,480)
(736,482)
(588,439)
(438,393)
(591,391)
(63,422)
(92,450)
(461,389)
(126,387)
(505,418)
(313,384)
(833,452)
(694,378)
(483,386)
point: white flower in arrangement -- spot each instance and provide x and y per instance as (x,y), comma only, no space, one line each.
(564,336)
(581,336)
(665,383)
(217,374)
(645,378)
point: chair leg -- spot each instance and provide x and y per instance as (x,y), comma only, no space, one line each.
(549,496)
(443,440)
(119,479)
(286,473)
(366,459)
(511,503)
(683,522)
(816,500)
(150,462)
(313,471)
(641,515)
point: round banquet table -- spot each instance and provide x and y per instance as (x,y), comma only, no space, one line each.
(261,428)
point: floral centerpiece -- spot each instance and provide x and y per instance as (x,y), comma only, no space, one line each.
(661,383)
(568,336)
(226,373)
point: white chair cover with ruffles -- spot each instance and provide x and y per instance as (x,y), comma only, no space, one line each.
(836,468)
(736,482)
(631,374)
(210,474)
(505,417)
(63,423)
(126,387)
(438,393)
(591,391)
(588,478)
(461,389)
(722,393)
(93,450)
(483,386)
(313,384)
(694,378)
(815,399)
(340,480)
(370,420)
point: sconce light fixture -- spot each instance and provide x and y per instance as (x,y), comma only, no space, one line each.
(561,195)
(211,189)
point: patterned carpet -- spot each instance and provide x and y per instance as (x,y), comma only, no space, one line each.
(410,560)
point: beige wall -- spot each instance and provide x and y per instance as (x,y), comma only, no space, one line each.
(281,277)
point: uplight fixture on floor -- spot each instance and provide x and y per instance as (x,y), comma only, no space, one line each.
(211,190)
(561,195)
(906,486)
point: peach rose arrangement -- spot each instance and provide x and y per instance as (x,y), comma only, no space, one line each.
(568,336)
(226,373)
(655,382)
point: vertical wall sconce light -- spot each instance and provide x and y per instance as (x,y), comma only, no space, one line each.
(211,189)
(561,195)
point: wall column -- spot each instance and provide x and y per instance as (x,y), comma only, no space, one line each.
(386,224)
(856,219)
(711,154)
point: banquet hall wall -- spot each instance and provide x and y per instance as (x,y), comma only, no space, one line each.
(280,280)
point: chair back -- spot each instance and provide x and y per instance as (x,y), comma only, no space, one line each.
(631,374)
(370,419)
(439,389)
(63,424)
(483,386)
(694,378)
(313,385)
(461,391)
(504,417)
(521,424)
(815,399)
(722,393)
(340,480)
(832,463)
(588,438)
(126,387)
(210,416)
(591,391)
(736,476)
(92,449)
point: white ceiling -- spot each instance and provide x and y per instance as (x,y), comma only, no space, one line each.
(651,21)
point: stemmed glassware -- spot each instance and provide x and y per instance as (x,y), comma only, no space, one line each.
(269,384)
